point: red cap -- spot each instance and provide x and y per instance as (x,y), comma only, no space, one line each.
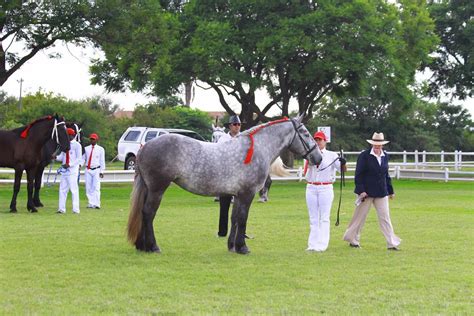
(320,135)
(70,131)
(94,136)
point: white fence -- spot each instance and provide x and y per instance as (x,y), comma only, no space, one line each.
(404,165)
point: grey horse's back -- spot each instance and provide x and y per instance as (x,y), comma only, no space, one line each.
(199,167)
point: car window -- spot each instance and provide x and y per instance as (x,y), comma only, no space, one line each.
(150,135)
(132,136)
(190,134)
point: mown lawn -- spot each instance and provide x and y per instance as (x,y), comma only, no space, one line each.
(82,264)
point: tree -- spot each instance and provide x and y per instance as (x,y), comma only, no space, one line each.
(293,49)
(453,64)
(40,24)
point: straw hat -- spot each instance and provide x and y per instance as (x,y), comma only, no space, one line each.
(377,139)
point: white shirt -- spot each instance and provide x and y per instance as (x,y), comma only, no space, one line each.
(226,137)
(379,158)
(98,157)
(75,155)
(328,175)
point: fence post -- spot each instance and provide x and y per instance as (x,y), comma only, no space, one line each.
(460,159)
(424,158)
(397,172)
(446,174)
(300,174)
(416,159)
(404,157)
(442,158)
(455,160)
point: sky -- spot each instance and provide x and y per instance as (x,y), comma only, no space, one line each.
(69,77)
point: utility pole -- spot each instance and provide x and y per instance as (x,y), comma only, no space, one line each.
(19,100)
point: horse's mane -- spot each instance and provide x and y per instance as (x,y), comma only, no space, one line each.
(23,131)
(254,129)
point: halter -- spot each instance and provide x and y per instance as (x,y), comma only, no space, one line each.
(306,147)
(77,138)
(55,130)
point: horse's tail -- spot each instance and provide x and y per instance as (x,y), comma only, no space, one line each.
(278,168)
(136,206)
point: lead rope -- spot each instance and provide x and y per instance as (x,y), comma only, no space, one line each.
(343,180)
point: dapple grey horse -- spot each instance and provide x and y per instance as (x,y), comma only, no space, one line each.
(238,167)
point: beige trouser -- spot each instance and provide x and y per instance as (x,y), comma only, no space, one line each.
(352,234)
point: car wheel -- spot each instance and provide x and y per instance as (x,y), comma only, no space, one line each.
(130,163)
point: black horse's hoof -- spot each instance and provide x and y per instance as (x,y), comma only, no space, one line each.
(32,210)
(13,210)
(38,204)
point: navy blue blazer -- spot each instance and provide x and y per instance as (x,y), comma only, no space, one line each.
(372,178)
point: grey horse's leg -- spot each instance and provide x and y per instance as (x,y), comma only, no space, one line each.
(147,241)
(240,212)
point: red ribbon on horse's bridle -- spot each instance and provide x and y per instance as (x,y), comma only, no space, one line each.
(25,132)
(248,158)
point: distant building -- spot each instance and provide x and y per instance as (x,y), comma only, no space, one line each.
(123,114)
(216,114)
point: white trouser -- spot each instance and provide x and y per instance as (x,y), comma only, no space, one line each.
(352,234)
(69,183)
(319,200)
(93,187)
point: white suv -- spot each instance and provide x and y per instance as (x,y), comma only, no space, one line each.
(135,137)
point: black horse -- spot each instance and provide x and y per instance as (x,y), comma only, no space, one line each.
(50,148)
(21,150)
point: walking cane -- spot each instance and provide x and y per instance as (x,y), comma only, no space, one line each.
(341,185)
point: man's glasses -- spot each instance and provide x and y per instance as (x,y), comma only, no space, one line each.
(235,124)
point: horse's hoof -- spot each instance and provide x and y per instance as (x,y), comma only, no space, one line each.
(155,249)
(38,204)
(13,210)
(244,250)
(33,210)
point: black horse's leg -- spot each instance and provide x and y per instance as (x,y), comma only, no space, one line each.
(152,203)
(16,189)
(37,187)
(240,212)
(263,193)
(30,175)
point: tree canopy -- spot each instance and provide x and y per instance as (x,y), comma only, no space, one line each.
(452,64)
(293,49)
(40,24)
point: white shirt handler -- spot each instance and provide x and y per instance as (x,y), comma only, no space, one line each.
(94,164)
(320,194)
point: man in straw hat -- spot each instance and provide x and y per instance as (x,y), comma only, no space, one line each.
(94,162)
(373,185)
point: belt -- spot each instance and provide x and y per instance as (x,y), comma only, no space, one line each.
(320,183)
(94,168)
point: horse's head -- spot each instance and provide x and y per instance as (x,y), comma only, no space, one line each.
(303,143)
(59,134)
(217,133)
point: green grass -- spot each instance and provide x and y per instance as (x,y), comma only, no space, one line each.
(82,264)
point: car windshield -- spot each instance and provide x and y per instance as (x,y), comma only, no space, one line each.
(132,136)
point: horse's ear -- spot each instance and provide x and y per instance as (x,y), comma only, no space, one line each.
(299,118)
